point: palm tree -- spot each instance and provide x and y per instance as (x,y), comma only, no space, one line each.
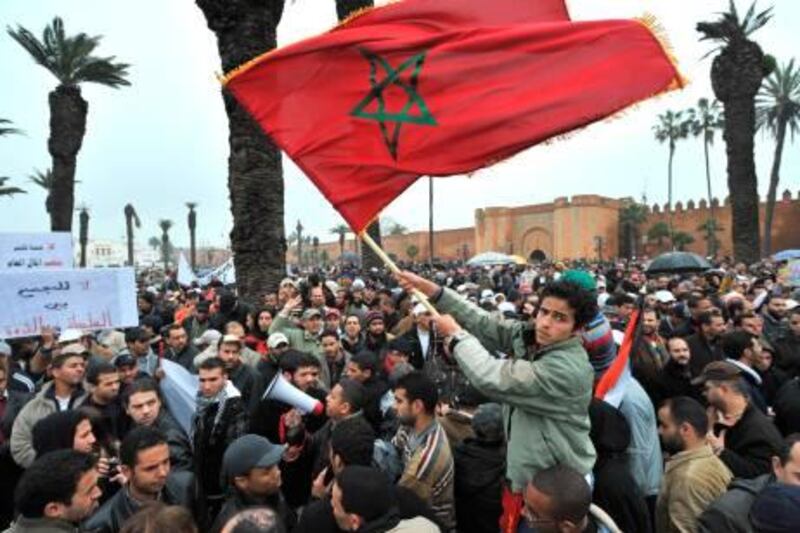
(704,121)
(7,190)
(631,217)
(165,226)
(710,228)
(45,181)
(83,233)
(192,221)
(245,30)
(398,229)
(298,230)
(658,232)
(736,76)
(681,239)
(7,129)
(341,230)
(132,217)
(778,109)
(411,251)
(70,60)
(671,127)
(154,243)
(315,248)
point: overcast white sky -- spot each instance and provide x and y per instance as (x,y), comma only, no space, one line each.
(163,141)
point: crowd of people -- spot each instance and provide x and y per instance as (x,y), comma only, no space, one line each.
(495,413)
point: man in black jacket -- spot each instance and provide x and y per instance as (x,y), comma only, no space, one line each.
(675,379)
(104,385)
(425,345)
(364,367)
(144,406)
(144,457)
(220,419)
(742,436)
(704,344)
(729,512)
(480,465)
(787,346)
(180,349)
(251,470)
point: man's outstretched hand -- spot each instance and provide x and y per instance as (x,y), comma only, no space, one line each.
(410,281)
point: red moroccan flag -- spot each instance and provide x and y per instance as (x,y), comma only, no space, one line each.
(444,87)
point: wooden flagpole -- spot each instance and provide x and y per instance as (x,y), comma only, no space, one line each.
(395,270)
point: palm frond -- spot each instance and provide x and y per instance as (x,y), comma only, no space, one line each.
(7,129)
(9,190)
(69,58)
(42,179)
(778,101)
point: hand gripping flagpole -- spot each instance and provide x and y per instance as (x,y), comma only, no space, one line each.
(423,299)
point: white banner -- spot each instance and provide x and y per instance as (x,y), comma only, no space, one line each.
(71,298)
(186,275)
(23,251)
(226,273)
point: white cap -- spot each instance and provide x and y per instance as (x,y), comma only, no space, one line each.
(209,337)
(277,339)
(70,335)
(506,307)
(358,284)
(419,309)
(665,297)
(487,294)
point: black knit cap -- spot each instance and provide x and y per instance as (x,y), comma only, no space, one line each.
(366,492)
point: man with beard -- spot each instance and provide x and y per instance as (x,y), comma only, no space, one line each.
(144,407)
(787,357)
(65,392)
(428,468)
(144,458)
(376,339)
(675,379)
(220,419)
(138,342)
(57,493)
(774,315)
(694,476)
(742,436)
(335,356)
(306,339)
(104,383)
(269,417)
(650,355)
(352,340)
(425,344)
(251,469)
(197,323)
(704,344)
(180,349)
(243,377)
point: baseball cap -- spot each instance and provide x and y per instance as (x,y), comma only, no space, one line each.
(487,423)
(718,371)
(419,309)
(311,312)
(506,307)
(74,348)
(332,311)
(209,336)
(664,297)
(124,359)
(580,278)
(276,339)
(249,452)
(487,294)
(358,285)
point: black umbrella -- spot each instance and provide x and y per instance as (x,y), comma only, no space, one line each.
(677,263)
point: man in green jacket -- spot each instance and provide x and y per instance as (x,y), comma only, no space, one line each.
(545,386)
(305,339)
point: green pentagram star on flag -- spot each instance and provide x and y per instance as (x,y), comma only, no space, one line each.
(376,94)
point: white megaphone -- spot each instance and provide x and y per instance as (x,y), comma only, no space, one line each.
(283,391)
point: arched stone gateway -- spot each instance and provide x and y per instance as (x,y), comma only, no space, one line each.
(537,256)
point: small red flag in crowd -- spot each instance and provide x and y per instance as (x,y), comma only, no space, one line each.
(444,87)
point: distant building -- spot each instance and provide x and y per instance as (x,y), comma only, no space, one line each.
(573,229)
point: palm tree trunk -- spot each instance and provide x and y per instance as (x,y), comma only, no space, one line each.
(245,29)
(68,112)
(83,235)
(165,250)
(192,239)
(341,247)
(773,187)
(129,235)
(712,248)
(742,180)
(669,186)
